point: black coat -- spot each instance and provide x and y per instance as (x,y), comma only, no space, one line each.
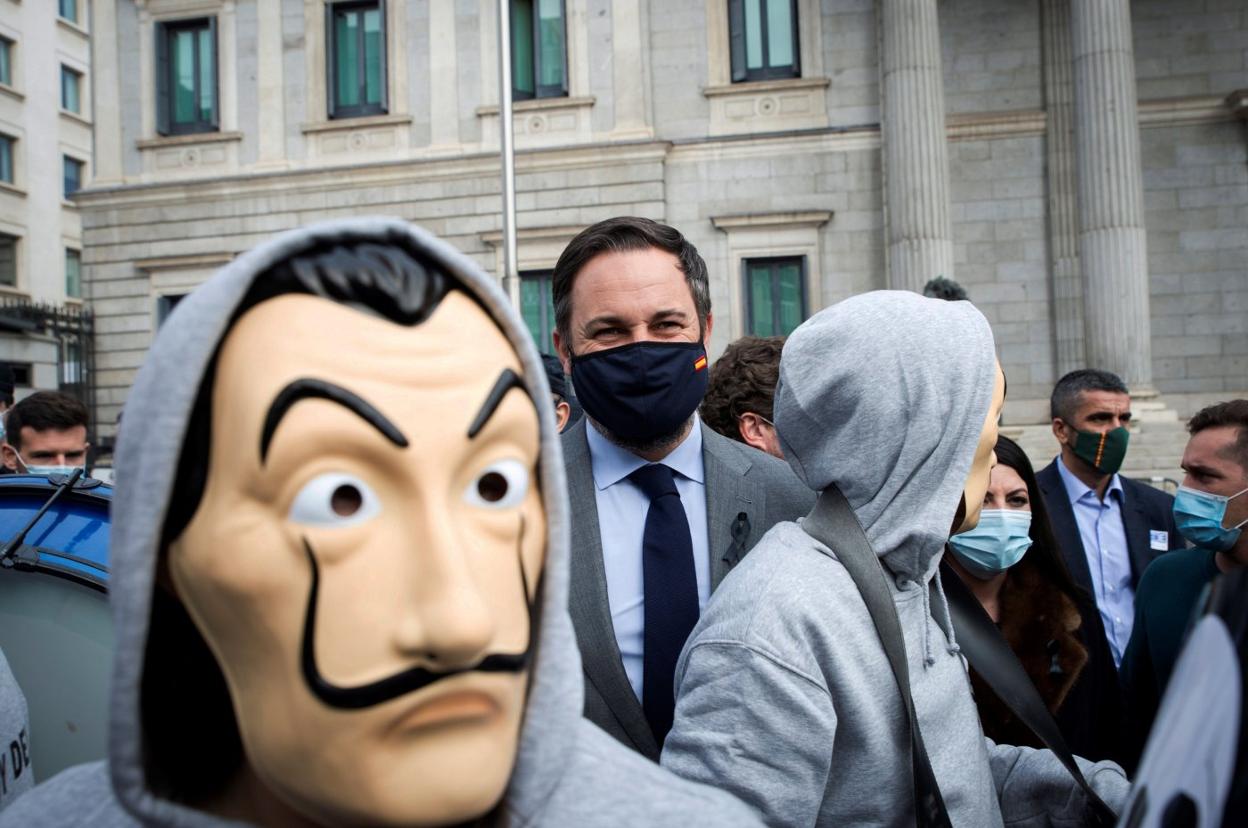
(1098,694)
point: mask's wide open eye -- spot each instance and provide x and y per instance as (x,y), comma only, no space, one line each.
(499,485)
(334,500)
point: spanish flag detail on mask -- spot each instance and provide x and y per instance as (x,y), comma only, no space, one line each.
(699,364)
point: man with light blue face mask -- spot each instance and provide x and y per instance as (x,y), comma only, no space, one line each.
(46,433)
(1211,511)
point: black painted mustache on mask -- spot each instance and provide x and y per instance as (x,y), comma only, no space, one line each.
(413,678)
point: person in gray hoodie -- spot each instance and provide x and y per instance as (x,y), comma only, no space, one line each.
(340,564)
(785,694)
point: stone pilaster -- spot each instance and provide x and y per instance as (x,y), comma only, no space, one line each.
(1111,200)
(1059,104)
(916,157)
(272,94)
(106,103)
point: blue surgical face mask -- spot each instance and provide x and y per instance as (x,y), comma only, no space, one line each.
(1000,540)
(1199,517)
(44,470)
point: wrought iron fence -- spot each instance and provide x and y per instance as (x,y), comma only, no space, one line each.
(72,329)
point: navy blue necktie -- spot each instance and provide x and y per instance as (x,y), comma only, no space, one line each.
(671,592)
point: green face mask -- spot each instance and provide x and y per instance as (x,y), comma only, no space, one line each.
(1103,452)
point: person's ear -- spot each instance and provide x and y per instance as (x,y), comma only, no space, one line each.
(9,456)
(563,413)
(706,329)
(1059,430)
(562,351)
(750,427)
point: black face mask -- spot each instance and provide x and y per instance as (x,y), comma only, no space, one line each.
(644,391)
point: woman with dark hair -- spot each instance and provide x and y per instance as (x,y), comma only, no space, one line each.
(1012,564)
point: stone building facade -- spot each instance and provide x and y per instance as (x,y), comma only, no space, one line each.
(1081,167)
(45,155)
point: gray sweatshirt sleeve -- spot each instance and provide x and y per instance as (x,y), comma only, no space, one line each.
(754,726)
(1034,787)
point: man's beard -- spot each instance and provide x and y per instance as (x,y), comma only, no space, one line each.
(654,445)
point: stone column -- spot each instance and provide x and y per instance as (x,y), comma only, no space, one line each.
(916,156)
(1111,198)
(1059,104)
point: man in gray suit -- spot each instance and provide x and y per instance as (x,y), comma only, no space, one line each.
(662,506)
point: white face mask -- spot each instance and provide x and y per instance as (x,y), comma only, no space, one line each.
(45,470)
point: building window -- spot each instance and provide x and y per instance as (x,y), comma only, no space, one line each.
(775,295)
(69,10)
(538,308)
(186,76)
(73,175)
(165,305)
(538,49)
(357,59)
(6,61)
(763,39)
(71,85)
(8,260)
(73,273)
(7,142)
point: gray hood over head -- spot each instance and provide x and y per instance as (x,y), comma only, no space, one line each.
(562,762)
(884,395)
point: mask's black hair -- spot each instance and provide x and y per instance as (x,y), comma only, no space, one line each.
(191,743)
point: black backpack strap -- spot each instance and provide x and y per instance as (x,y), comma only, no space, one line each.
(833,523)
(989,653)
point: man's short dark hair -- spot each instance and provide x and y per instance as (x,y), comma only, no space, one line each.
(1065,399)
(8,384)
(947,289)
(1232,413)
(743,380)
(621,235)
(44,411)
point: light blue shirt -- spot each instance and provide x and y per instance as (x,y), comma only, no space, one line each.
(622,509)
(1109,560)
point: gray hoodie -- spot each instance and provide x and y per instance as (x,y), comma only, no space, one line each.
(16,775)
(785,695)
(567,772)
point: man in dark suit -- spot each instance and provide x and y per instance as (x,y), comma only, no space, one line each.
(1109,527)
(662,507)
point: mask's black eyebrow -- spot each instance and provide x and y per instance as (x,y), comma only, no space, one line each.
(309,388)
(506,381)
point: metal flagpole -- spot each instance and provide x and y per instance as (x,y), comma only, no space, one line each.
(511,278)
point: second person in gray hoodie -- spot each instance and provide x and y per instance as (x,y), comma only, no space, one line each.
(785,696)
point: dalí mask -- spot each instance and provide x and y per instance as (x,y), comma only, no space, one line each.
(642,391)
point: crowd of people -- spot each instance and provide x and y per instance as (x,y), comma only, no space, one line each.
(404,575)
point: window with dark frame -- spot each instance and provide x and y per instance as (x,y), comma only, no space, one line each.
(68,9)
(8,260)
(73,273)
(7,143)
(186,76)
(71,88)
(165,305)
(775,295)
(539,66)
(6,61)
(356,35)
(538,308)
(73,175)
(763,39)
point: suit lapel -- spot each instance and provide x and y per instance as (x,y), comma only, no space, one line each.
(1062,516)
(588,602)
(1135,527)
(733,507)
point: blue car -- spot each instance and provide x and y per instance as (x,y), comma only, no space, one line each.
(55,626)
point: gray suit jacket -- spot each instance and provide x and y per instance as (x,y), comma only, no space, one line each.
(747,492)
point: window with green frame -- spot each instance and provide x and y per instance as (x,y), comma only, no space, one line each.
(73,175)
(775,295)
(73,273)
(357,58)
(71,87)
(8,260)
(538,308)
(6,61)
(7,143)
(538,49)
(186,76)
(762,37)
(68,9)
